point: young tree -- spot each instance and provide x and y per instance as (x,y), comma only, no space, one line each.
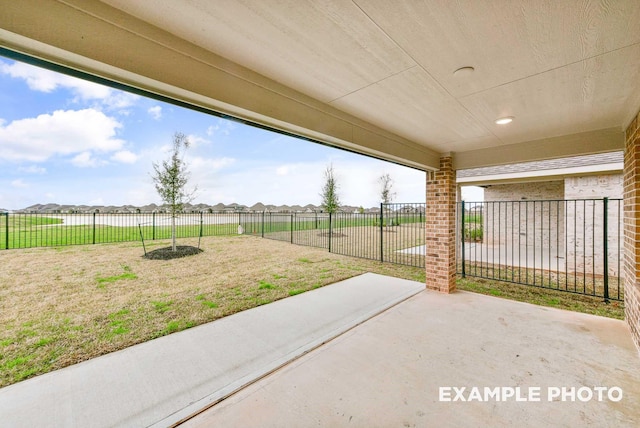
(386,184)
(170,178)
(329,194)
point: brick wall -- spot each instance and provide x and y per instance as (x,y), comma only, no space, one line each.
(540,224)
(632,228)
(440,228)
(585,223)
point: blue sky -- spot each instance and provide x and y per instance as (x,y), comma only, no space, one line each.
(68,141)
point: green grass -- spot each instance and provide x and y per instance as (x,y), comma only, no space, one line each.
(161,306)
(266,286)
(543,297)
(109,279)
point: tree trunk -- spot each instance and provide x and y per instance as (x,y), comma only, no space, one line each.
(173,233)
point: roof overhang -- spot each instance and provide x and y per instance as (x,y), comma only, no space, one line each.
(374,77)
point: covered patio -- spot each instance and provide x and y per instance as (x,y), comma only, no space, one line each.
(438,86)
(368,351)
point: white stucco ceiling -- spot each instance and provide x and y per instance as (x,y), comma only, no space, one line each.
(568,71)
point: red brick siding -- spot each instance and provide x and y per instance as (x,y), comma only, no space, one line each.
(632,228)
(440,258)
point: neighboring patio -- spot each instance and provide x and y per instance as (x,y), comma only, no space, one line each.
(385,356)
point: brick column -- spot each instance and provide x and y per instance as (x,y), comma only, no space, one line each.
(440,258)
(632,229)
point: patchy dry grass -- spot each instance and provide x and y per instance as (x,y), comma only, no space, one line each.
(60,306)
(543,297)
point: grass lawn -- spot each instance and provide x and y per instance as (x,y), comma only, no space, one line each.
(63,305)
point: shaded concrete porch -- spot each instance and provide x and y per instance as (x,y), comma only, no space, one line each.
(389,370)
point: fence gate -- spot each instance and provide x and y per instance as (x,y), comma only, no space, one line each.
(567,245)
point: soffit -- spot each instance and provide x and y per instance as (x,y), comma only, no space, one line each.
(568,71)
(558,67)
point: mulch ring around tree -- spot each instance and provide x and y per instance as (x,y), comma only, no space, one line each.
(166,253)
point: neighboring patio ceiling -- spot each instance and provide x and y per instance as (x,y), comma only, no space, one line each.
(372,76)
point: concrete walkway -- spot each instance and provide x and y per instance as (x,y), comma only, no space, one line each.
(389,371)
(158,383)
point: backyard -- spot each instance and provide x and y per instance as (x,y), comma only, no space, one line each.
(63,305)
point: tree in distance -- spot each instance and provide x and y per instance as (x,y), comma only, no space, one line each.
(170,178)
(386,184)
(329,194)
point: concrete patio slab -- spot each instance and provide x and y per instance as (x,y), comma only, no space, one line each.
(389,371)
(160,382)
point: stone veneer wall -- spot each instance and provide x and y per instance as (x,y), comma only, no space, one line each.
(632,228)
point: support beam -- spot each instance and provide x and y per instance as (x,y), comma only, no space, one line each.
(440,257)
(632,229)
(583,143)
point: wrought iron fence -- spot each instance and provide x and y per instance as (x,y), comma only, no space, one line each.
(393,234)
(21,230)
(567,245)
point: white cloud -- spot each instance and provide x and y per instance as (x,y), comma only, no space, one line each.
(19,183)
(196,141)
(124,156)
(120,101)
(84,160)
(64,132)
(155,112)
(282,170)
(222,127)
(42,80)
(33,169)
(212,130)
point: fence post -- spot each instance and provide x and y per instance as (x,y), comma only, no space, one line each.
(605,247)
(262,224)
(292,228)
(464,272)
(6,231)
(201,222)
(330,231)
(153,227)
(94,228)
(381,231)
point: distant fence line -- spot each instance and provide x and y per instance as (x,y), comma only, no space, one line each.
(394,234)
(565,245)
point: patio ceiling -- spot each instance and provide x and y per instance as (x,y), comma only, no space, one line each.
(368,75)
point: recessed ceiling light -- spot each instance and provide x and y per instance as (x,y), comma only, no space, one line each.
(504,120)
(463,71)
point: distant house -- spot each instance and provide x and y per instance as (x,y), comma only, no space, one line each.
(570,188)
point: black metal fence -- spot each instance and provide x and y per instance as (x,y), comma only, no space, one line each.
(567,245)
(394,234)
(50,230)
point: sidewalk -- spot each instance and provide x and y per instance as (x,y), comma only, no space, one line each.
(161,382)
